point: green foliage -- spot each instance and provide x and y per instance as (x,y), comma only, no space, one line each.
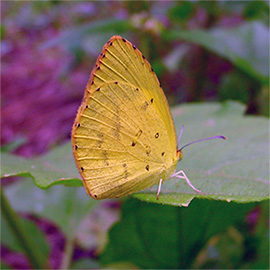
(32,232)
(181,12)
(236,169)
(74,38)
(211,233)
(4,266)
(57,167)
(162,237)
(66,207)
(256,10)
(246,46)
(85,264)
(235,86)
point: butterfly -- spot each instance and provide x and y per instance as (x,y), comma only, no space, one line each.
(123,137)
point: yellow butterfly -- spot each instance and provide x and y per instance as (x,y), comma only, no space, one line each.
(123,137)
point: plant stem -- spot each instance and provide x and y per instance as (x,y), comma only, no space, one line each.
(69,247)
(16,226)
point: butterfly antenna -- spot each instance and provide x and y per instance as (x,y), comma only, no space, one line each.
(180,135)
(201,140)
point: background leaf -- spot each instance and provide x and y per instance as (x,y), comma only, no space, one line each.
(57,167)
(95,32)
(65,206)
(161,237)
(246,46)
(32,232)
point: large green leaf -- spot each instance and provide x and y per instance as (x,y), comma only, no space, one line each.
(152,236)
(57,167)
(236,169)
(246,46)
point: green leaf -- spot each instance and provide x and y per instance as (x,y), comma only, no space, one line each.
(32,232)
(163,237)
(98,31)
(85,264)
(57,167)
(181,11)
(257,10)
(65,206)
(4,266)
(261,234)
(236,169)
(246,46)
(234,85)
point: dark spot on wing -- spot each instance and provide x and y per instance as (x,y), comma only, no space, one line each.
(152,100)
(76,147)
(78,125)
(134,47)
(116,82)
(118,126)
(145,105)
(95,196)
(98,89)
(110,43)
(100,141)
(123,39)
(157,135)
(106,162)
(137,136)
(125,170)
(152,70)
(148,150)
(147,167)
(98,68)
(143,56)
(86,106)
(139,133)
(82,169)
(162,153)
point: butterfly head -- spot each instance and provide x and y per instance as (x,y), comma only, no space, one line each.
(179,154)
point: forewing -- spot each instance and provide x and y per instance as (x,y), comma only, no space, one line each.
(123,137)
(120,142)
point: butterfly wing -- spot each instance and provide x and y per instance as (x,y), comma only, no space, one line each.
(123,136)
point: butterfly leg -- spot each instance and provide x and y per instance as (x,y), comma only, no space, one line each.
(182,175)
(159,188)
